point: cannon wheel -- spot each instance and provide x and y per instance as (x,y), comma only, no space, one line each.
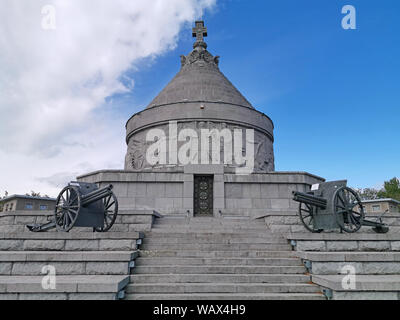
(348,209)
(306,213)
(110,212)
(68,205)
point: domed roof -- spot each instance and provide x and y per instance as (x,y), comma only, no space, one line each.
(200,79)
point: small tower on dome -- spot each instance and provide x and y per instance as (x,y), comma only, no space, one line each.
(199,32)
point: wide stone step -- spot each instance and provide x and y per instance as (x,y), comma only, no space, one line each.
(48,256)
(220,278)
(216,246)
(61,241)
(210,220)
(210,235)
(207,229)
(367,287)
(68,236)
(221,240)
(225,296)
(176,288)
(66,263)
(219,261)
(217,254)
(79,287)
(188,269)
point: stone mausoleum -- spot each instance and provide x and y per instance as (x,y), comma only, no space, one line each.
(201,98)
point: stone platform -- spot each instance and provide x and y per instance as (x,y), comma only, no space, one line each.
(90,266)
(172,192)
(374,260)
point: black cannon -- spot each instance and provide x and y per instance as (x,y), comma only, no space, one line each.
(333,205)
(82,204)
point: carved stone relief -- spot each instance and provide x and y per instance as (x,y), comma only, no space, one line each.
(263,147)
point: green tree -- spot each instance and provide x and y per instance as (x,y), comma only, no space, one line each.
(391,189)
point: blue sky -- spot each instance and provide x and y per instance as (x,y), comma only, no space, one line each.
(333,94)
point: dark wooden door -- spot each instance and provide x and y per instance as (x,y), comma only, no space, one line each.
(203,195)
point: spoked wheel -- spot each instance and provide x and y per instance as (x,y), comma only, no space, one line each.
(348,209)
(110,212)
(67,209)
(306,213)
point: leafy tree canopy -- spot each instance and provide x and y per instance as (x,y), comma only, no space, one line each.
(391,189)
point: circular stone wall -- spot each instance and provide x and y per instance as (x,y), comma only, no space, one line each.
(200,116)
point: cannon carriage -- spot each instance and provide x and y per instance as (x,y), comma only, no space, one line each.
(82,204)
(332,205)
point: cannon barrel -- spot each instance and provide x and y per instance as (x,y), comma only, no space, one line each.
(96,195)
(310,199)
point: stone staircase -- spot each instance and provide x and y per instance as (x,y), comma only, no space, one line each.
(93,266)
(217,259)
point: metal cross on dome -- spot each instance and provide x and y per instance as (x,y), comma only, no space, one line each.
(199,32)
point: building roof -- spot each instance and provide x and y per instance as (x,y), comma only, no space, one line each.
(18,196)
(200,79)
(382,200)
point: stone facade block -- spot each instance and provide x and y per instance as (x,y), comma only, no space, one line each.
(43,296)
(92,296)
(109,268)
(381,268)
(120,189)
(281,229)
(117,245)
(81,245)
(269,191)
(333,268)
(155,190)
(5,268)
(342,245)
(311,246)
(167,203)
(359,295)
(374,245)
(44,245)
(174,190)
(35,268)
(395,245)
(8,296)
(145,203)
(233,190)
(261,203)
(177,203)
(7,220)
(252,191)
(11,245)
(279,203)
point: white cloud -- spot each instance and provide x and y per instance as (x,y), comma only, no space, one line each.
(53,83)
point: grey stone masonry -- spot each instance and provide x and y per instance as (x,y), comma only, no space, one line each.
(371,262)
(370,287)
(345,242)
(266,195)
(67,288)
(87,265)
(217,258)
(54,241)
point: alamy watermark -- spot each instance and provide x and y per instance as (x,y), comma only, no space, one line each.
(349,20)
(349,280)
(49,281)
(203,149)
(49,17)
